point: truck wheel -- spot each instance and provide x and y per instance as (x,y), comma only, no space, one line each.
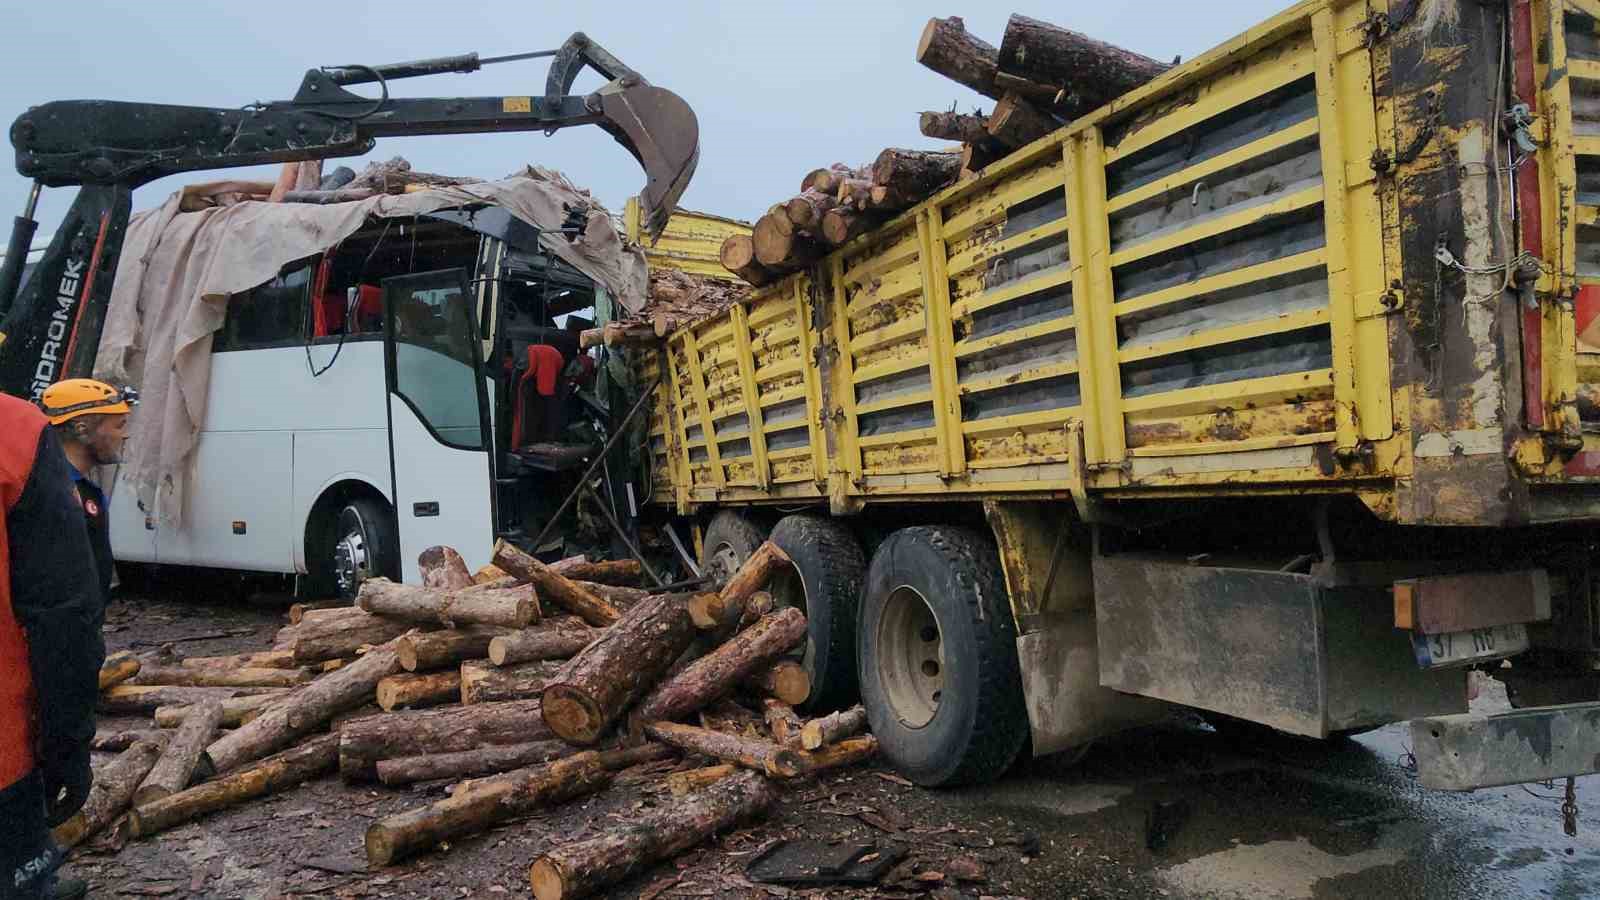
(938,645)
(728,542)
(361,543)
(825,584)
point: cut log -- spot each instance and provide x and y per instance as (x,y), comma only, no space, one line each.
(188,676)
(411,690)
(477,805)
(303,711)
(915,173)
(840,225)
(118,741)
(719,672)
(114,784)
(621,572)
(555,587)
(445,649)
(759,604)
(974,158)
(443,569)
(332,665)
(235,710)
(967,128)
(762,756)
(324,616)
(540,643)
(302,762)
(465,763)
(484,682)
(297,611)
(806,211)
(266,659)
(786,680)
(489,572)
(348,637)
(782,721)
(753,575)
(180,763)
(1090,73)
(833,727)
(364,741)
(583,868)
(847,752)
(947,48)
(617,668)
(623,598)
(709,613)
(855,193)
(139,699)
(777,250)
(118,667)
(510,608)
(690,780)
(1015,122)
(738,255)
(617,334)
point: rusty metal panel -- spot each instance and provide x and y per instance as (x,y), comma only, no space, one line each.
(1439,604)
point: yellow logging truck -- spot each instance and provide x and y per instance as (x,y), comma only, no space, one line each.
(1269,389)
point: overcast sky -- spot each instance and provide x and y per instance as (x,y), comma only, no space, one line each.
(779,88)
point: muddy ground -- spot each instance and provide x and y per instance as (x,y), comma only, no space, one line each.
(1176,811)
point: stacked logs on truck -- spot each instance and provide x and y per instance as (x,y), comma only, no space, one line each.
(674,299)
(601,681)
(1041,77)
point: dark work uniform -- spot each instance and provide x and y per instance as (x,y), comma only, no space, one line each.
(97,517)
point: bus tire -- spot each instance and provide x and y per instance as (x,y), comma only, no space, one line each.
(935,603)
(358,541)
(728,541)
(825,583)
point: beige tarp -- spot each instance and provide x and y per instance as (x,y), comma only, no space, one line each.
(178,269)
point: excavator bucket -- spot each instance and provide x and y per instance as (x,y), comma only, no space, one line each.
(662,133)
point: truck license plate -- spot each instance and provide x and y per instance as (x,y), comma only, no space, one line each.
(1435,651)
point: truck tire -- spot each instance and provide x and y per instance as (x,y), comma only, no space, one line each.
(825,584)
(938,646)
(729,540)
(358,541)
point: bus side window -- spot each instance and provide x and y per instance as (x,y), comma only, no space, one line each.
(271,315)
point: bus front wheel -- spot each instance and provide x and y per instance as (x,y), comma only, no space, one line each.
(359,541)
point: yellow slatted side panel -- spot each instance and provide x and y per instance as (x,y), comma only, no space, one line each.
(779,365)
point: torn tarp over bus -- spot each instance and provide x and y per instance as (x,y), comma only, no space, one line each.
(178,269)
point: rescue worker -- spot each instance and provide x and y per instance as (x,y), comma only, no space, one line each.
(90,419)
(51,651)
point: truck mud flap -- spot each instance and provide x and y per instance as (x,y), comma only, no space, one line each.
(1470,751)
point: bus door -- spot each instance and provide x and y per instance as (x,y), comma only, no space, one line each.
(439,443)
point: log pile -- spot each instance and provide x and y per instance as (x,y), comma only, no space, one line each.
(541,681)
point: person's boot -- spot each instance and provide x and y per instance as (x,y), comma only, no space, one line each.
(70,889)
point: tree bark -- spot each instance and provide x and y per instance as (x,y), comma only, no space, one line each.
(512,608)
(806,211)
(235,710)
(619,572)
(113,788)
(540,643)
(762,756)
(582,868)
(180,762)
(847,752)
(349,639)
(275,773)
(753,575)
(840,225)
(617,668)
(914,174)
(828,180)
(855,193)
(617,334)
(730,717)
(297,611)
(187,676)
(738,255)
(443,569)
(947,48)
(118,741)
(782,721)
(623,598)
(304,710)
(777,250)
(463,763)
(690,780)
(410,690)
(967,128)
(484,682)
(833,727)
(719,672)
(1015,122)
(445,649)
(137,699)
(555,587)
(118,667)
(476,805)
(365,741)
(266,659)
(786,680)
(1089,72)
(322,621)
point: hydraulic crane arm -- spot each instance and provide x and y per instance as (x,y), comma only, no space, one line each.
(108,148)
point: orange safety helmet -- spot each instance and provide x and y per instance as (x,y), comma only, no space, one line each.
(74,397)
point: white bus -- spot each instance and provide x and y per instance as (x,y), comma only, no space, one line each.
(405,389)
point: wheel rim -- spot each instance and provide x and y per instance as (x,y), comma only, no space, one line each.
(911,657)
(352,561)
(789,590)
(722,563)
